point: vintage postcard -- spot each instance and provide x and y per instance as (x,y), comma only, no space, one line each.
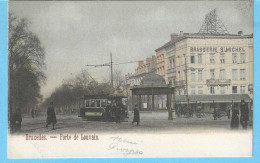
(130,79)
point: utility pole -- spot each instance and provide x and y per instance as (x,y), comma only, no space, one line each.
(186,73)
(111,66)
(106,64)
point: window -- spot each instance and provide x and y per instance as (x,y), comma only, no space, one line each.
(170,63)
(242,58)
(200,90)
(192,58)
(92,103)
(87,103)
(234,89)
(242,74)
(103,103)
(192,75)
(173,63)
(185,91)
(223,90)
(200,75)
(212,57)
(179,75)
(222,74)
(212,90)
(200,58)
(212,74)
(242,89)
(222,58)
(193,90)
(98,103)
(234,74)
(234,58)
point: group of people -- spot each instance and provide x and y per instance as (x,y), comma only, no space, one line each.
(16,120)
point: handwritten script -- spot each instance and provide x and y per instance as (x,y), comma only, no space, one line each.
(124,146)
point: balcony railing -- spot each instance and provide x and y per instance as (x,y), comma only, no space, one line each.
(180,83)
(218,81)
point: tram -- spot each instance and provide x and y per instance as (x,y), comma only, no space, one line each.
(104,107)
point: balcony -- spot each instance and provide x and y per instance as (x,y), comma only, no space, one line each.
(180,83)
(218,81)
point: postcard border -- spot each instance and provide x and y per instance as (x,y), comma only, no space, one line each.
(3,104)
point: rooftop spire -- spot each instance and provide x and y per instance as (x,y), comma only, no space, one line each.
(212,24)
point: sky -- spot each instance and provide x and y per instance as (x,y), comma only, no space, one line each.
(77,33)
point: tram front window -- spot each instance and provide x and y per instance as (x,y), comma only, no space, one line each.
(98,103)
(92,104)
(103,103)
(87,103)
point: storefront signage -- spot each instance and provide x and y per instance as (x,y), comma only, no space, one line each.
(217,49)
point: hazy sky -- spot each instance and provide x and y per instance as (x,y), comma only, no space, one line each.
(78,33)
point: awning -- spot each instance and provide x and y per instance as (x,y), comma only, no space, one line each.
(210,98)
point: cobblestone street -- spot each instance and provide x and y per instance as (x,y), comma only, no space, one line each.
(150,122)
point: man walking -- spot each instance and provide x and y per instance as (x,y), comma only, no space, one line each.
(16,123)
(136,116)
(51,116)
(244,117)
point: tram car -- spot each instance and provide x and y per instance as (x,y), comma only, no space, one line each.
(104,107)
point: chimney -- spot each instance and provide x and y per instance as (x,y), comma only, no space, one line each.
(140,63)
(181,33)
(174,36)
(240,33)
(148,60)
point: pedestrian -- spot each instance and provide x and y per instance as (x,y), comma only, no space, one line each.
(215,113)
(136,116)
(16,123)
(228,112)
(32,113)
(244,117)
(51,116)
(107,113)
(235,119)
(118,112)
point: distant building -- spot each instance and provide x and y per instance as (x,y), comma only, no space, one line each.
(144,68)
(161,64)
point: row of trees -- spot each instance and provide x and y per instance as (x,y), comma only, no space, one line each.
(26,66)
(66,97)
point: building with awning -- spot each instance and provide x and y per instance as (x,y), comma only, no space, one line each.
(236,98)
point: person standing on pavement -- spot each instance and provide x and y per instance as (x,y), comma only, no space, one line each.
(244,117)
(16,123)
(32,113)
(215,113)
(51,116)
(136,116)
(234,119)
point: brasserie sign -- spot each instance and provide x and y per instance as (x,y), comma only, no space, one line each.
(217,49)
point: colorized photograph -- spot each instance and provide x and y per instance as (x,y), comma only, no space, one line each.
(110,79)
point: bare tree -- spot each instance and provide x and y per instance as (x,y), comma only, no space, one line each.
(26,66)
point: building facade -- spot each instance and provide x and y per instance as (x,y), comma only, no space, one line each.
(213,64)
(161,64)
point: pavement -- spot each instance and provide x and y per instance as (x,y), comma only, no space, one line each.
(150,122)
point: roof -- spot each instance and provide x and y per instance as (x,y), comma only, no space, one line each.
(204,36)
(152,79)
(215,98)
(103,96)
